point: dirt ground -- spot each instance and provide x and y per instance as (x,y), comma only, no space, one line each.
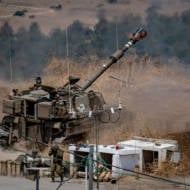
(10,183)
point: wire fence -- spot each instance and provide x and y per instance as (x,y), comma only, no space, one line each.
(122,172)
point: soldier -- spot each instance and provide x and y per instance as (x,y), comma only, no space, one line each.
(36,158)
(32,160)
(56,165)
(38,83)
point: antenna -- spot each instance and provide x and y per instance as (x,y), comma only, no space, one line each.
(67,43)
(116,35)
(122,82)
(10,59)
(68,67)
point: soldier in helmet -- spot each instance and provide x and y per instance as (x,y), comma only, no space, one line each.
(36,158)
(32,160)
(38,83)
(56,165)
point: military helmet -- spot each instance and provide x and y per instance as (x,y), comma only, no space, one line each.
(34,151)
(38,80)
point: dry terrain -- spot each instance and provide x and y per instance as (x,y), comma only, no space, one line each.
(130,183)
(155,98)
(84,10)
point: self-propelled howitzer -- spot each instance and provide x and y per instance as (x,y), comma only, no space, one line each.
(45,113)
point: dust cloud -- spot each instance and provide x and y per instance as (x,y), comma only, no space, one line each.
(154,96)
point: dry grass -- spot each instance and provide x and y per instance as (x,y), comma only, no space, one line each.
(183,139)
(157,96)
(155,99)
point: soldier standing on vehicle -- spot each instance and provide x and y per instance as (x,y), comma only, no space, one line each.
(56,165)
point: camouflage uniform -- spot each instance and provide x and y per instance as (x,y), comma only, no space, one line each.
(56,165)
(35,162)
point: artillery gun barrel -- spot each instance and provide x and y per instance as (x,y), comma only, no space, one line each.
(137,36)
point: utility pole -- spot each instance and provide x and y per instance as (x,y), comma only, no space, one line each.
(90,181)
(10,60)
(97,151)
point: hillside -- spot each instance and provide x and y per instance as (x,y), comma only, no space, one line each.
(101,28)
(86,11)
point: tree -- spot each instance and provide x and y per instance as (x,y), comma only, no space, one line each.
(6,51)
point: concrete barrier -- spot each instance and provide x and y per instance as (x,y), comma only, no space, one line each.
(9,168)
(4,169)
